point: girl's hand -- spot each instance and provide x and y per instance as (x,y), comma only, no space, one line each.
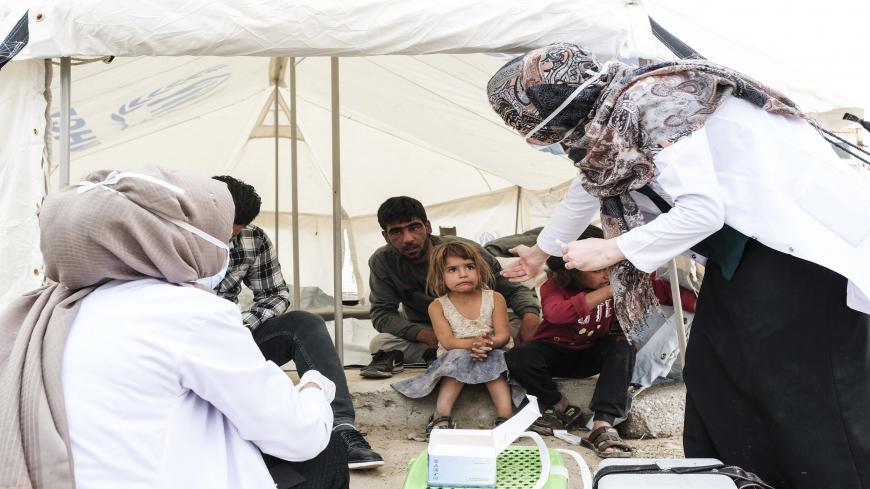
(480,347)
(591,254)
(527,266)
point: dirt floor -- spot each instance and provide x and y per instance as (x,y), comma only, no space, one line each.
(398,450)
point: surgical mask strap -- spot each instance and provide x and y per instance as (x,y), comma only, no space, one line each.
(114,177)
(592,79)
(195,230)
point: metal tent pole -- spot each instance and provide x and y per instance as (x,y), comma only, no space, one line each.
(277,201)
(65,102)
(337,240)
(294,189)
(679,322)
(684,51)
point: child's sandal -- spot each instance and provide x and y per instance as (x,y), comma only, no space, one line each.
(548,422)
(499,420)
(436,424)
(571,417)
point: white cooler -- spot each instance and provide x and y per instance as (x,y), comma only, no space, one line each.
(665,480)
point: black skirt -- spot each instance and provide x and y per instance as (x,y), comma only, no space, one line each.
(778,374)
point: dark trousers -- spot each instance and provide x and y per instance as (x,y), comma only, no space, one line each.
(534,364)
(778,374)
(328,470)
(302,337)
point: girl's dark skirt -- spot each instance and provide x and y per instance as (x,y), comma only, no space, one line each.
(778,374)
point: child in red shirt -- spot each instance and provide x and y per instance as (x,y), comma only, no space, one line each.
(578,338)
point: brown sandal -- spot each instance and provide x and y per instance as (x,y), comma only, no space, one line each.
(607,437)
(439,423)
(548,422)
(571,417)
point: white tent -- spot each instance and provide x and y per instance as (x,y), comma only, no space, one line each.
(192,88)
(417,125)
(813,51)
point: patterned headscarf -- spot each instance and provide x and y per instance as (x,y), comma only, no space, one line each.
(528,88)
(625,119)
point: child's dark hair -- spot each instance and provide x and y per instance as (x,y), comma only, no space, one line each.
(400,209)
(245,198)
(435,285)
(563,277)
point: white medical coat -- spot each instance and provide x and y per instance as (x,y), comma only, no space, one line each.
(165,388)
(772,178)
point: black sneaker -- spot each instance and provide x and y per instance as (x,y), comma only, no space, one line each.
(359,453)
(384,364)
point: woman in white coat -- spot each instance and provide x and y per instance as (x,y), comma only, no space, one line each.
(129,372)
(693,157)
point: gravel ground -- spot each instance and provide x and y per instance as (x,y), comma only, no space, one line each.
(398,450)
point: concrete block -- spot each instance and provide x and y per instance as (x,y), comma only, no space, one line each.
(657,412)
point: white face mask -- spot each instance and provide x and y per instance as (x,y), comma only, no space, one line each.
(215,280)
(556,148)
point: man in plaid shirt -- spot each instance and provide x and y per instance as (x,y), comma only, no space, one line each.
(253,260)
(284,336)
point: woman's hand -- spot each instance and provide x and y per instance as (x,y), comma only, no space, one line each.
(591,254)
(527,266)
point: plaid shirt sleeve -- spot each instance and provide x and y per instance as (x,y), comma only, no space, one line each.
(264,278)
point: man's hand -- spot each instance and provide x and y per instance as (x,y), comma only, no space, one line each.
(527,266)
(480,347)
(591,254)
(528,325)
(427,336)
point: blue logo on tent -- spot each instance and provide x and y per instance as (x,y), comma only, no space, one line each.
(80,136)
(178,94)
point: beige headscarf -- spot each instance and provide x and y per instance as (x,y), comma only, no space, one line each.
(114,225)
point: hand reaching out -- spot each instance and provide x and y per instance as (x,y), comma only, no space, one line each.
(527,265)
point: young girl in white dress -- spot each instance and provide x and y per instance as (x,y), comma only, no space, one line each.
(471,324)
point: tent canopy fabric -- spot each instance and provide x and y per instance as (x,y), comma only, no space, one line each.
(814,52)
(415,124)
(410,125)
(324,27)
(192,87)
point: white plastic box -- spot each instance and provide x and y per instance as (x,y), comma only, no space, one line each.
(467,458)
